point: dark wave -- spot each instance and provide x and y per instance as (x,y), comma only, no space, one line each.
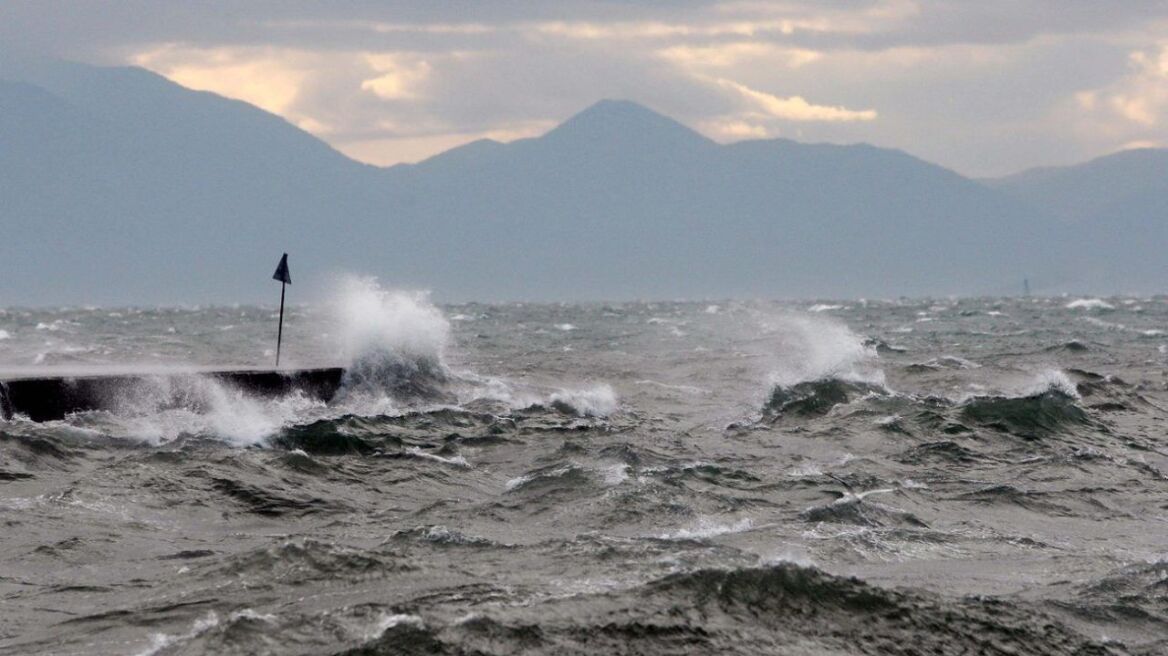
(707,473)
(301,560)
(1010,495)
(441,536)
(814,398)
(1032,417)
(783,609)
(405,379)
(882,347)
(553,481)
(940,452)
(1072,346)
(355,434)
(853,510)
(1135,594)
(335,437)
(1108,393)
(272,502)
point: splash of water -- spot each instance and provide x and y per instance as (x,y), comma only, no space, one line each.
(813,348)
(1051,380)
(395,343)
(595,401)
(163,408)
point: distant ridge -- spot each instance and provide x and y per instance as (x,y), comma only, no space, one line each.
(1084,191)
(1114,213)
(118,184)
(608,117)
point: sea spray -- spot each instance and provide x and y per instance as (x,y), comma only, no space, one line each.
(596,401)
(395,343)
(812,348)
(160,409)
(820,363)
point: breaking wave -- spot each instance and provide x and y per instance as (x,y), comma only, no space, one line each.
(747,610)
(815,398)
(822,364)
(1089,304)
(598,401)
(1045,407)
(818,348)
(395,344)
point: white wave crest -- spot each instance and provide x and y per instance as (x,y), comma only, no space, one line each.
(390,339)
(614,475)
(520,481)
(161,641)
(163,408)
(596,401)
(815,348)
(1089,304)
(1052,380)
(708,528)
(389,620)
(402,324)
(456,461)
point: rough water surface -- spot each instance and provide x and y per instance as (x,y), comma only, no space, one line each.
(860,477)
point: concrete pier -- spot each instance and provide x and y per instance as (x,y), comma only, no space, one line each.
(53,397)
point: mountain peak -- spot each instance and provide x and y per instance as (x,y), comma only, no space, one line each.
(626,120)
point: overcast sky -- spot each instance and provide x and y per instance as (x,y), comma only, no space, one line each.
(987,87)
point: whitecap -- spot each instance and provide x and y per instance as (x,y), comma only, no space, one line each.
(1089,304)
(818,348)
(708,528)
(595,401)
(614,475)
(520,481)
(1052,380)
(457,461)
(160,641)
(390,620)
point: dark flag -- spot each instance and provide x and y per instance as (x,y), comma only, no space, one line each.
(285,279)
(281,273)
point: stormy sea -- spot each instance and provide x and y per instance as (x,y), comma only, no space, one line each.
(976,476)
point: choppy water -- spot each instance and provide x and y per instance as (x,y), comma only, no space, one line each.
(975,476)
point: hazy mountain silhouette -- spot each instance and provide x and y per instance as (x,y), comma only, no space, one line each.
(120,186)
(1116,207)
(620,200)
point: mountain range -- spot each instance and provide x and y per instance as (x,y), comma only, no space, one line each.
(118,186)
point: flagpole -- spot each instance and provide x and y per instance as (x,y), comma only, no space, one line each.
(280,332)
(285,279)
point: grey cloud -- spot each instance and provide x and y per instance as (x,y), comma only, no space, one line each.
(978,117)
